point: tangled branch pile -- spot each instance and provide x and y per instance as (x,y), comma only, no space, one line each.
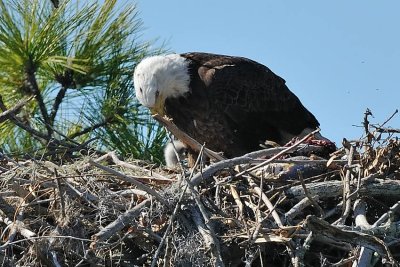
(275,207)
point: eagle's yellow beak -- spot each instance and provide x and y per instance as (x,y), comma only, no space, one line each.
(158,106)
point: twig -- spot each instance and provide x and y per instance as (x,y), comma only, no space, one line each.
(213,240)
(386,130)
(208,236)
(46,237)
(296,262)
(343,262)
(360,209)
(84,195)
(16,226)
(324,176)
(259,218)
(168,253)
(388,119)
(237,200)
(366,122)
(166,233)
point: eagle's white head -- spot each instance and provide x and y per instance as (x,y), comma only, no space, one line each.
(159,77)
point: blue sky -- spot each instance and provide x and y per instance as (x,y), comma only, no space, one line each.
(339,57)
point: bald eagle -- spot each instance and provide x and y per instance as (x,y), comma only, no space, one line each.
(232,104)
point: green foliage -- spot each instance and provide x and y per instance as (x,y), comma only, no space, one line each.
(77,61)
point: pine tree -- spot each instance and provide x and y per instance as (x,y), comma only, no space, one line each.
(66,67)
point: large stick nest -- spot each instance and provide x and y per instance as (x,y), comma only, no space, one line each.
(276,207)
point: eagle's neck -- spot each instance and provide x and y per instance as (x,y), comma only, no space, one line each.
(173,76)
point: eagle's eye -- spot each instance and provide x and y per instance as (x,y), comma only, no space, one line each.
(157,94)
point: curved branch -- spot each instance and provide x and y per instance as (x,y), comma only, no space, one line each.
(5,115)
(35,133)
(57,102)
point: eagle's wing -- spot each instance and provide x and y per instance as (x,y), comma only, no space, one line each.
(245,88)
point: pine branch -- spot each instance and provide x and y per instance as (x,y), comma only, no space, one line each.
(32,87)
(35,133)
(57,102)
(14,110)
(66,81)
(41,137)
(90,129)
(56,3)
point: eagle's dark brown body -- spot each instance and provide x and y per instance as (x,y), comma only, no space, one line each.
(234,104)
